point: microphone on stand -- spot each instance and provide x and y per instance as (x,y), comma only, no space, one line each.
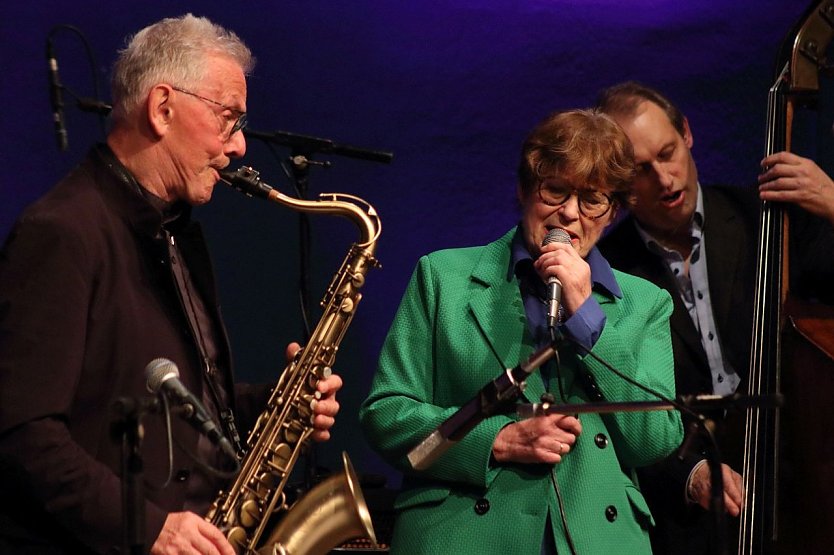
(163,378)
(93,106)
(307,145)
(56,98)
(495,397)
(554,286)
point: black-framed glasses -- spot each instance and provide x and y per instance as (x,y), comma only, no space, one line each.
(592,204)
(240,118)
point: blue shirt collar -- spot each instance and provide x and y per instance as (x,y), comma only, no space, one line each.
(601,273)
(696,227)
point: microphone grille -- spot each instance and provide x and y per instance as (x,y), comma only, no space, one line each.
(556,235)
(158,371)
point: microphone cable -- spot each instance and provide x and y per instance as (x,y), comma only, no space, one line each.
(170,440)
(557,336)
(674,402)
(166,411)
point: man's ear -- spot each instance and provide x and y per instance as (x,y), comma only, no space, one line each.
(159,109)
(688,139)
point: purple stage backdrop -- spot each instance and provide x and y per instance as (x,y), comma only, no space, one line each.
(451,87)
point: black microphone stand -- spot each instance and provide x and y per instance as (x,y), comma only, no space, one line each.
(496,397)
(302,149)
(703,427)
(300,169)
(85,104)
(128,431)
(499,396)
(307,145)
(694,405)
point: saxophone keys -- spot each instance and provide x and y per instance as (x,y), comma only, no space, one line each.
(292,432)
(347,305)
(250,515)
(358,279)
(237,537)
(281,457)
(306,406)
(311,399)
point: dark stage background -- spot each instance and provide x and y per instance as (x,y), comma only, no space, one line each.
(450,87)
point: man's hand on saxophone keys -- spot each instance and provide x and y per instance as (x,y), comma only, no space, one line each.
(327,406)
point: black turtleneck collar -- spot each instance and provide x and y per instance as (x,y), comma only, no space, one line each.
(175,214)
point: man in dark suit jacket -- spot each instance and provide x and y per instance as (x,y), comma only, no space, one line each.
(698,243)
(683,527)
(105,273)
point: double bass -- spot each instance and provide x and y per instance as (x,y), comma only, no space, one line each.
(788,468)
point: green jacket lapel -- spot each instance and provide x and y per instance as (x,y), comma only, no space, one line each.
(497,308)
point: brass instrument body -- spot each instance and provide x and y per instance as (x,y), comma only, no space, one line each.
(244,511)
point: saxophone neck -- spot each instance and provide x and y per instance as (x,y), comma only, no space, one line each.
(358,210)
(247,181)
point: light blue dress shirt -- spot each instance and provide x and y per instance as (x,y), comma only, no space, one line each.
(694,291)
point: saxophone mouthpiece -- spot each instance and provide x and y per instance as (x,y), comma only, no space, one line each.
(226,176)
(246,181)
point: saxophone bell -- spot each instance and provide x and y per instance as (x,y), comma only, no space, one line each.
(331,513)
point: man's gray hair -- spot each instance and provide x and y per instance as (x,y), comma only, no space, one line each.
(173,51)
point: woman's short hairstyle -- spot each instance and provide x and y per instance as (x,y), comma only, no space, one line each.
(174,51)
(584,148)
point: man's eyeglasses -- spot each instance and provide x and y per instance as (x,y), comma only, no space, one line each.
(592,204)
(238,123)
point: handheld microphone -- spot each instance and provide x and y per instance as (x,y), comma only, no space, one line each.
(554,286)
(163,378)
(56,98)
(495,397)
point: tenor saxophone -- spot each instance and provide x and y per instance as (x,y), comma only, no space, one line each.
(333,511)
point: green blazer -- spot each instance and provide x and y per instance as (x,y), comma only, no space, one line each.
(460,324)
